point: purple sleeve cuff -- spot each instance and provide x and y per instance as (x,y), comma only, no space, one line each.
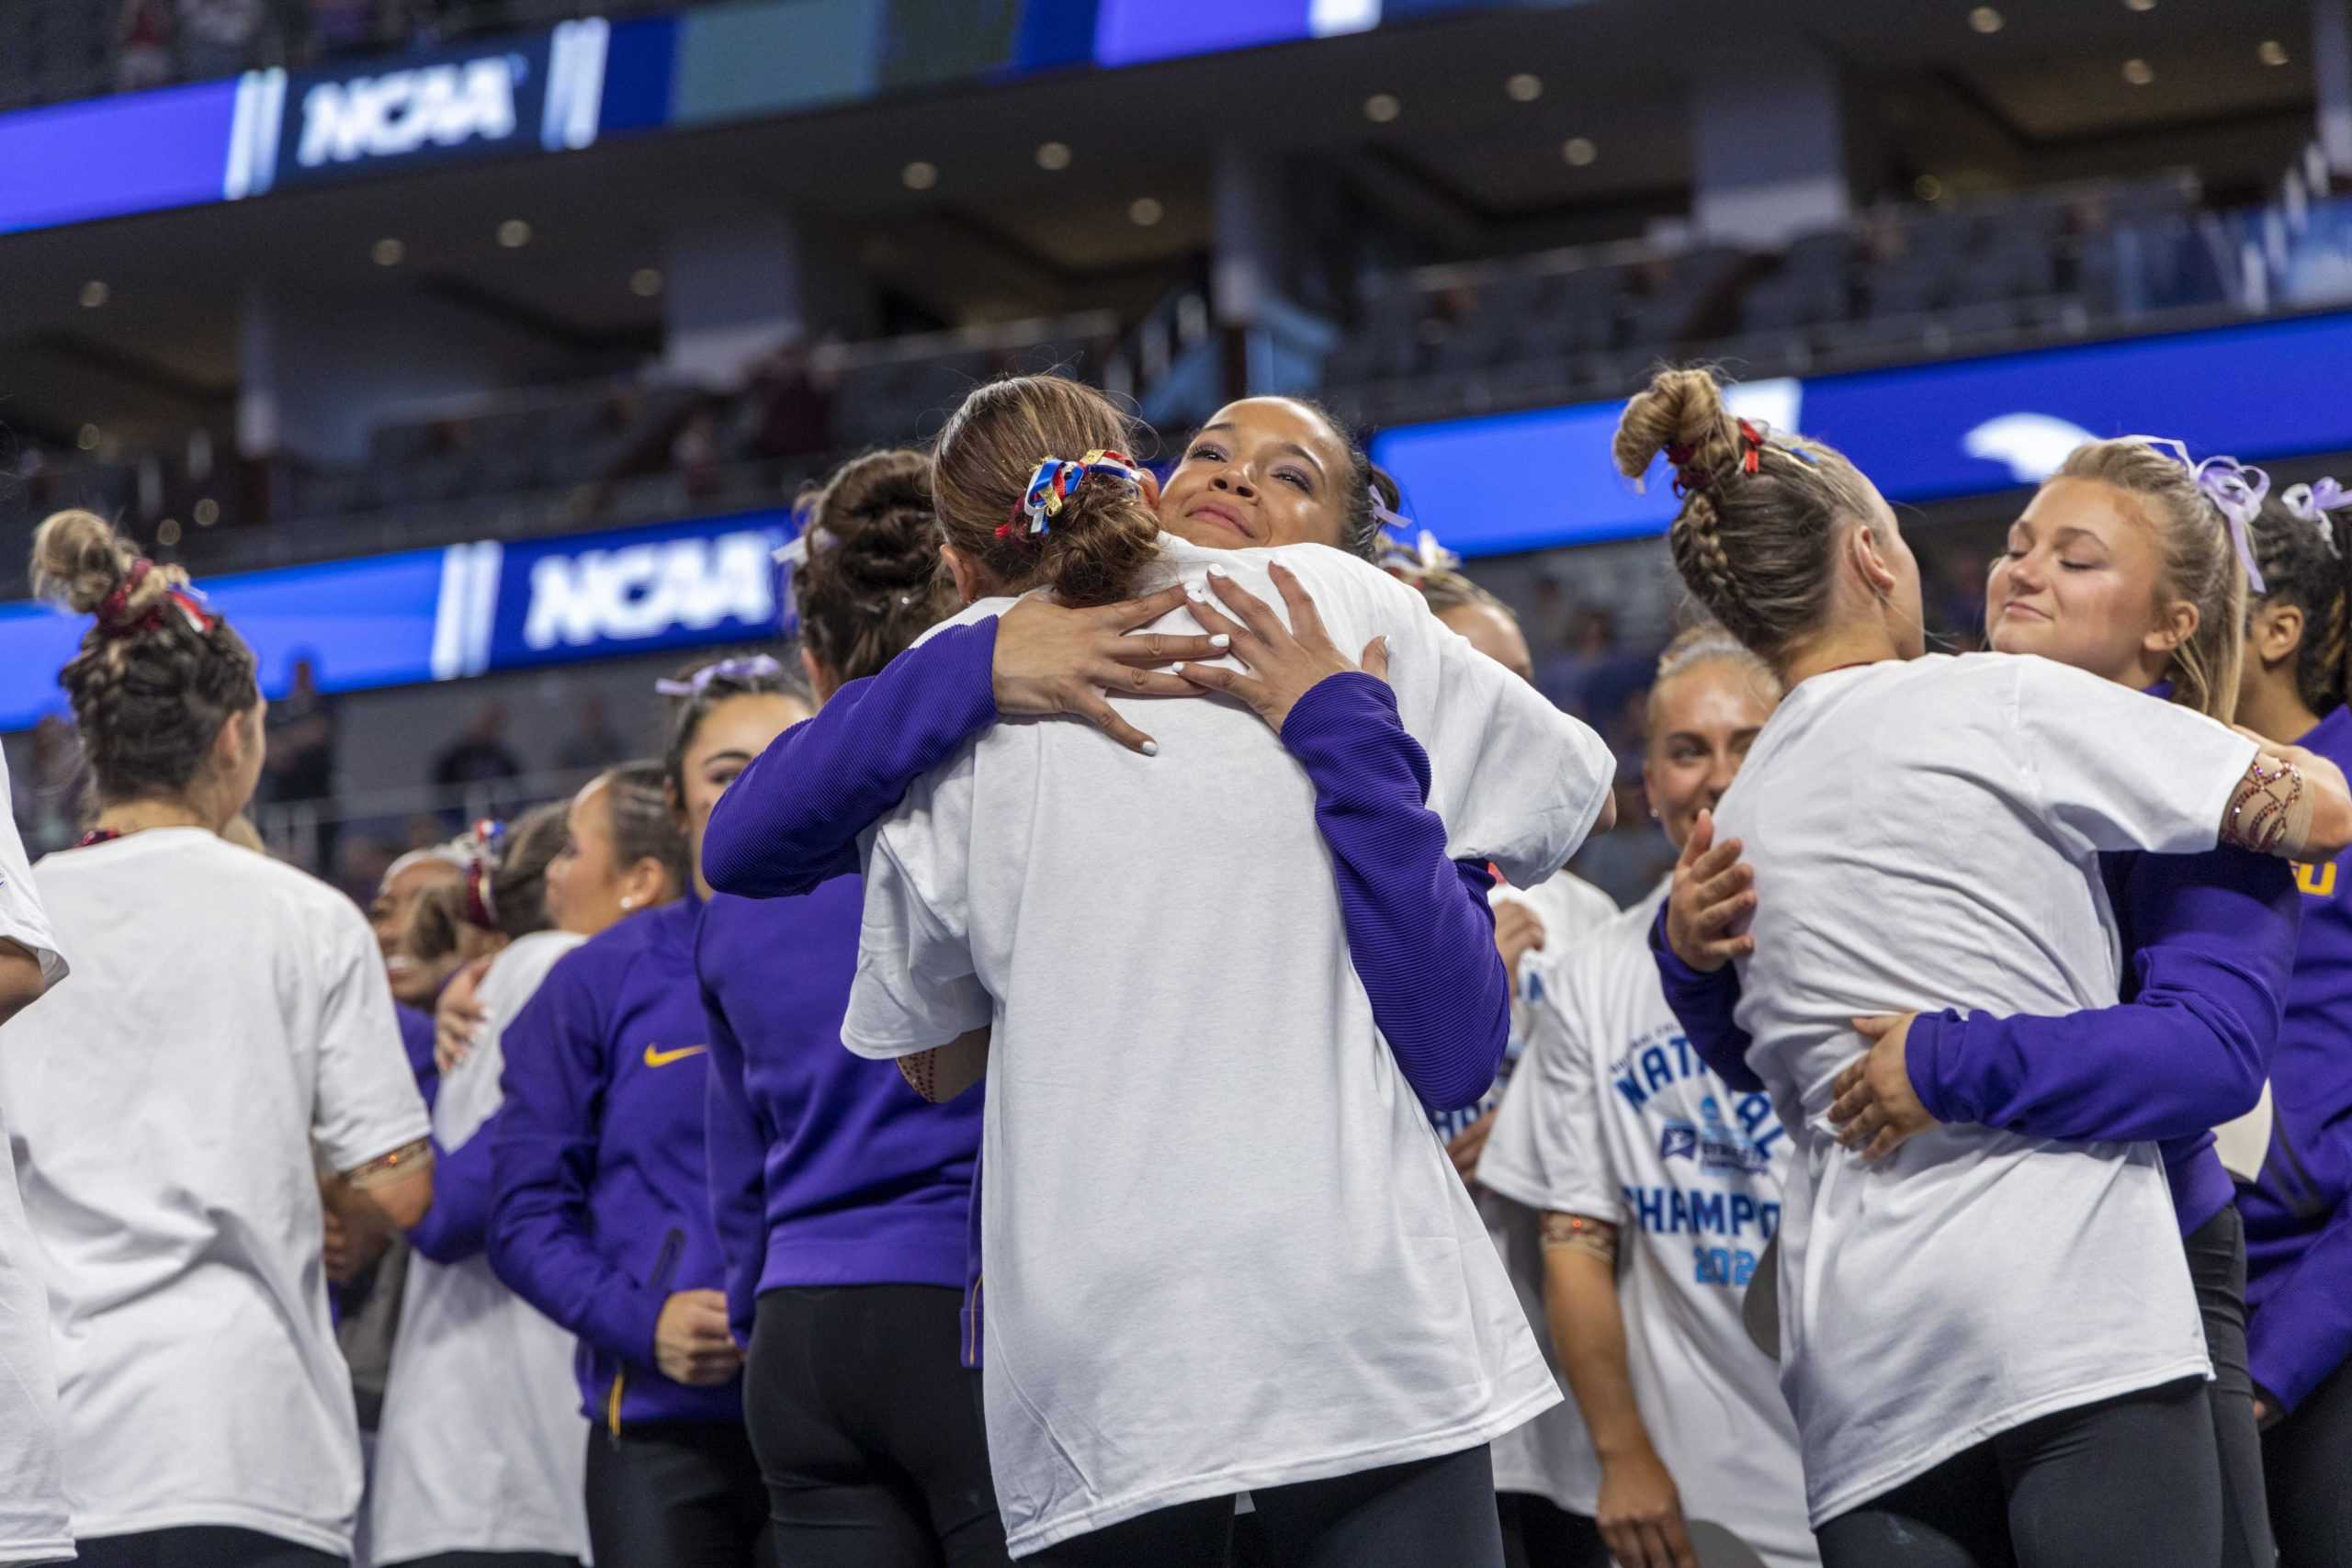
(457,1225)
(1422,939)
(1703,1005)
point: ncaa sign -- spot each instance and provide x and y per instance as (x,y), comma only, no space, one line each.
(383,116)
(650,591)
(506,606)
(317,125)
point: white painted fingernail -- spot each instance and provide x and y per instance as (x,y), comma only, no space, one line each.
(1217,571)
(1152,748)
(1220,640)
(1196,593)
(1180,668)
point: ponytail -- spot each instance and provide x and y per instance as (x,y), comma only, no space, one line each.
(2302,545)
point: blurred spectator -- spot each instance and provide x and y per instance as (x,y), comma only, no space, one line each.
(593,744)
(48,799)
(695,453)
(339,24)
(301,739)
(796,412)
(217,36)
(143,45)
(479,755)
(299,764)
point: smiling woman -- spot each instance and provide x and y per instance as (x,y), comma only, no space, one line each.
(2121,566)
(1277,472)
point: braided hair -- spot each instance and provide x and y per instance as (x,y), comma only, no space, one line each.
(2305,557)
(1754,538)
(504,892)
(870,581)
(157,673)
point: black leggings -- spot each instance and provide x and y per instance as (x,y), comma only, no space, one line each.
(2132,1480)
(2217,1267)
(676,1494)
(200,1546)
(863,1417)
(1538,1533)
(2311,1497)
(1402,1516)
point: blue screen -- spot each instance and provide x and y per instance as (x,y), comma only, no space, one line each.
(114,156)
(363,623)
(1924,432)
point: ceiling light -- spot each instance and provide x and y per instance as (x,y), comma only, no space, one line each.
(168,532)
(645,282)
(1145,211)
(87,440)
(1382,107)
(1053,156)
(1579,150)
(389,252)
(2138,5)
(93,294)
(513,233)
(1525,88)
(207,512)
(2139,73)
(1927,188)
(2272,52)
(918,175)
(1984,19)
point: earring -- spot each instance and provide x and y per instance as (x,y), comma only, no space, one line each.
(628,903)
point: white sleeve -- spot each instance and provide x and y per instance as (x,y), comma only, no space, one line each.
(1545,1150)
(368,1103)
(2116,768)
(1516,780)
(915,987)
(22,919)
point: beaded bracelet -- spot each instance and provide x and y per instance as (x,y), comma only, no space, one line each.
(2268,829)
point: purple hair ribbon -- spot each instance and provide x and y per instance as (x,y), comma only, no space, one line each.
(2313,502)
(758,667)
(2235,490)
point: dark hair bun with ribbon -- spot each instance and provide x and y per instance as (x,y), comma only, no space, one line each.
(158,673)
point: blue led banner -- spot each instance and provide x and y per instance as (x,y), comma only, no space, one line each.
(1523,482)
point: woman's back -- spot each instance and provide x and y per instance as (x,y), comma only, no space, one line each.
(476,1359)
(1924,836)
(1223,1247)
(163,1117)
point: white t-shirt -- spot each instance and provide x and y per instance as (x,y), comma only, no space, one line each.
(1612,1115)
(1925,835)
(227,1014)
(1224,1247)
(1550,1456)
(34,1524)
(481,1446)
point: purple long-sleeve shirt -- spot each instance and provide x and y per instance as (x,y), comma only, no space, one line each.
(602,1210)
(825,1169)
(2299,1213)
(2211,938)
(1437,988)
(1421,931)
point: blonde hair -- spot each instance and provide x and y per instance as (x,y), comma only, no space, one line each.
(1707,643)
(2196,558)
(1754,549)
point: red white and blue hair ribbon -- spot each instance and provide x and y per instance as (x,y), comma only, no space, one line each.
(2235,490)
(1055,480)
(482,848)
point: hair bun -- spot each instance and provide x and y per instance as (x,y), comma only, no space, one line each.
(1681,408)
(78,560)
(881,532)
